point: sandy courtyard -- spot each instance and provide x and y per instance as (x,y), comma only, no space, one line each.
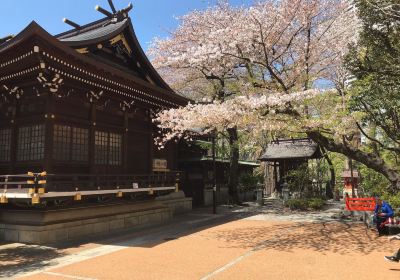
(246,249)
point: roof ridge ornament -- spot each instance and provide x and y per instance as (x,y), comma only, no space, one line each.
(71,23)
(115,15)
(110,2)
(103,11)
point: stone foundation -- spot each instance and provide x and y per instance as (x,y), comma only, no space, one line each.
(176,202)
(52,226)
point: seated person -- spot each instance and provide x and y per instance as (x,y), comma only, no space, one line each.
(396,256)
(383,211)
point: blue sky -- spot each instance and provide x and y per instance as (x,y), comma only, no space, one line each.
(150,17)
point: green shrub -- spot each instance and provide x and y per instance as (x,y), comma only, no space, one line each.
(248,181)
(394,200)
(316,203)
(297,204)
(304,204)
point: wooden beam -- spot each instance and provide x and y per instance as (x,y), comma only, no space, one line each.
(103,11)
(110,2)
(127,9)
(71,23)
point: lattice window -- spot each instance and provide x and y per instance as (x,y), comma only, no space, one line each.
(23,151)
(101,148)
(108,148)
(31,143)
(115,149)
(80,144)
(5,144)
(62,142)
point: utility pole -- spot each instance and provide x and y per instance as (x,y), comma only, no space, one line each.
(353,195)
(214,174)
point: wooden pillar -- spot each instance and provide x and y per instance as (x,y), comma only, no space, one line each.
(14,137)
(275,177)
(125,143)
(92,129)
(48,141)
(151,142)
(266,178)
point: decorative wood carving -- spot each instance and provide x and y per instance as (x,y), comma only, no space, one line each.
(12,92)
(125,106)
(94,97)
(53,84)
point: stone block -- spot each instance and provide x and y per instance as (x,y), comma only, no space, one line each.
(57,226)
(116,224)
(29,236)
(144,219)
(80,231)
(155,218)
(54,236)
(102,227)
(131,222)
(166,216)
(11,235)
(46,237)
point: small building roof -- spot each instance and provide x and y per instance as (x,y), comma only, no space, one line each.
(291,149)
(347,174)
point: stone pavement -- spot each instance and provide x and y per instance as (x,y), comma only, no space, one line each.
(239,243)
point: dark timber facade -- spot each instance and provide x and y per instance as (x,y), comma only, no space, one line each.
(80,102)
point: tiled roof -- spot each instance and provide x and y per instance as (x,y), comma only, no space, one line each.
(291,149)
(94,31)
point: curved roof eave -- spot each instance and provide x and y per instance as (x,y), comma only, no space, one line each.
(110,30)
(126,23)
(16,40)
(35,29)
(149,65)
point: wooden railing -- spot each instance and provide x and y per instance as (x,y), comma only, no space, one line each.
(35,187)
(73,182)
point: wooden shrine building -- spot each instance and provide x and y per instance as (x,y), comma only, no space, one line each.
(81,102)
(285,155)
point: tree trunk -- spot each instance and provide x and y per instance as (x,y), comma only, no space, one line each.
(332,182)
(233,179)
(369,159)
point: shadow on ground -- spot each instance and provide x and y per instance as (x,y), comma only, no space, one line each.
(17,259)
(336,237)
(24,258)
(342,238)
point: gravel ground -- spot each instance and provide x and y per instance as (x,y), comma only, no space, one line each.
(251,242)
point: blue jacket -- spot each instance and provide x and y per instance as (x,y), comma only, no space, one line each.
(385,208)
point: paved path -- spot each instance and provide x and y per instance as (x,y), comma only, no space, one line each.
(246,243)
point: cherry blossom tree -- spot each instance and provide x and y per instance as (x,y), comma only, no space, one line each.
(273,50)
(193,69)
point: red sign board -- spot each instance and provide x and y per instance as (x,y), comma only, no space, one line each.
(360,204)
